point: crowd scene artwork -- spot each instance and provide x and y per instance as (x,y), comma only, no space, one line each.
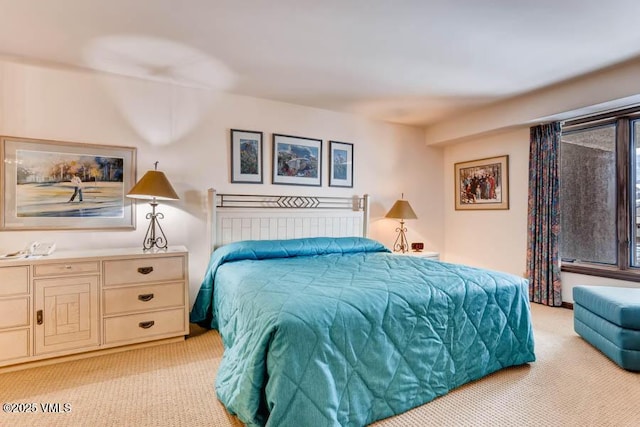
(482,184)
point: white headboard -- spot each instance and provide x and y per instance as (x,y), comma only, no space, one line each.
(234,217)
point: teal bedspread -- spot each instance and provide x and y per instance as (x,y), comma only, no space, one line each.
(328,332)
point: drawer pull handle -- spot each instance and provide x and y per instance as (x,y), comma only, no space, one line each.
(145,297)
(68,267)
(145,270)
(146,325)
(39,317)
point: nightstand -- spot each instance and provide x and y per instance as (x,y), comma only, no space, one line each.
(422,254)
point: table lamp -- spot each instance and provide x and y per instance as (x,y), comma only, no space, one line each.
(401,210)
(153,186)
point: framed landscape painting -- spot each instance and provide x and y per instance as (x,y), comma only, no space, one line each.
(246,156)
(340,164)
(482,184)
(54,185)
(297,160)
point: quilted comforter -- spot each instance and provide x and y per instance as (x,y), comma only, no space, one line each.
(328,332)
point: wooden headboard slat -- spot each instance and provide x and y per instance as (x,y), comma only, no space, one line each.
(234,217)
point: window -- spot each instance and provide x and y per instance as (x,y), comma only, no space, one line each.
(600,195)
(588,195)
(635,191)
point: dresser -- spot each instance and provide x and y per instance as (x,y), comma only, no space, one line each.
(75,304)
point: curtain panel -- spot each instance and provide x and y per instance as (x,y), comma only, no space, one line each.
(543,267)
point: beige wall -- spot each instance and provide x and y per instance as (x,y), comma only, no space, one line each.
(606,89)
(497,239)
(487,238)
(187,131)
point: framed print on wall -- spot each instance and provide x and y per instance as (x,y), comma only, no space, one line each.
(297,160)
(340,164)
(482,184)
(54,185)
(246,156)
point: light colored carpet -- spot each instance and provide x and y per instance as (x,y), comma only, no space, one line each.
(571,384)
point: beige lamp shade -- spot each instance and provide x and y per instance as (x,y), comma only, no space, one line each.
(401,209)
(154,184)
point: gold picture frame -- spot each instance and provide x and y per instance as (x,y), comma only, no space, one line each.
(56,185)
(482,184)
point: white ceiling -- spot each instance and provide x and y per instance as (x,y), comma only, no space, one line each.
(406,61)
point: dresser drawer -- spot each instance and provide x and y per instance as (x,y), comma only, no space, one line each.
(14,312)
(139,327)
(14,280)
(142,298)
(143,270)
(14,345)
(66,268)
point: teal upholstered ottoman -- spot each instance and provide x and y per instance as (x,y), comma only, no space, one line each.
(609,319)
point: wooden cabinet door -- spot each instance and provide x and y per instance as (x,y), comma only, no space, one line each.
(67,315)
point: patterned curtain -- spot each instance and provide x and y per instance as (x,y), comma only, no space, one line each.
(543,268)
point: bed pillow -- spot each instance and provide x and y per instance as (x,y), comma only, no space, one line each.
(267,249)
(264,249)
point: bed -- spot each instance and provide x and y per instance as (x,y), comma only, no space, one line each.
(334,330)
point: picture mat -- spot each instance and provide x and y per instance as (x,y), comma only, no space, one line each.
(474,189)
(289,143)
(106,205)
(238,137)
(341,175)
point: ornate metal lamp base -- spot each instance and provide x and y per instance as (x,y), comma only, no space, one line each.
(152,238)
(401,244)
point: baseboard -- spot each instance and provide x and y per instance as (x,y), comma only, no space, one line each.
(568,305)
(84,355)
